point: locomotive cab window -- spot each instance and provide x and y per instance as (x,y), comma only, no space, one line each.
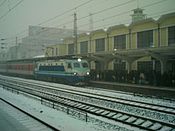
(85,65)
(76,65)
(69,65)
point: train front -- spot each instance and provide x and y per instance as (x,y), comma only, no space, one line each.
(81,72)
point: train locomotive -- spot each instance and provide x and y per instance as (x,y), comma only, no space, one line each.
(63,71)
(67,71)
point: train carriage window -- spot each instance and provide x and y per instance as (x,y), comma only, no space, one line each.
(25,67)
(31,67)
(17,67)
(28,67)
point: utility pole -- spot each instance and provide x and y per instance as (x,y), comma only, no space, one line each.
(137,3)
(75,33)
(90,22)
(16,47)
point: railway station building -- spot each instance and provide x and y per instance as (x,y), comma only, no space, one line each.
(146,45)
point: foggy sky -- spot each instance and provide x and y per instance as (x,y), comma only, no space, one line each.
(34,12)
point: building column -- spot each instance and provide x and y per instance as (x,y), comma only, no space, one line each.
(130,62)
(129,66)
(163,60)
(163,63)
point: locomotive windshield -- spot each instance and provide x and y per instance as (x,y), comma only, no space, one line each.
(84,65)
(76,65)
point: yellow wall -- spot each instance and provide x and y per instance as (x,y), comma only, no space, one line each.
(155,38)
(62,49)
(68,40)
(133,40)
(82,38)
(163,37)
(110,66)
(146,25)
(164,22)
(117,30)
(48,51)
(143,26)
(98,35)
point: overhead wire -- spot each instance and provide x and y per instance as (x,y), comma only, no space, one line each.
(109,17)
(67,11)
(109,8)
(2,3)
(10,9)
(50,19)
(122,13)
(106,9)
(155,3)
(98,12)
(151,16)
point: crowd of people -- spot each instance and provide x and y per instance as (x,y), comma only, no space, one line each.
(153,78)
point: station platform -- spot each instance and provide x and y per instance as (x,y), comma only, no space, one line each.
(7,122)
(162,92)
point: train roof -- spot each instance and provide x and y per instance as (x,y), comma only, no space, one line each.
(31,60)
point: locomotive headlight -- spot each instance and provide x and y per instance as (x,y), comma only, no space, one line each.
(87,73)
(79,59)
(75,73)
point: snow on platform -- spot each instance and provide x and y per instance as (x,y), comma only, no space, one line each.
(56,118)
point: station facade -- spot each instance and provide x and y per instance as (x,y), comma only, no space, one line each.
(146,45)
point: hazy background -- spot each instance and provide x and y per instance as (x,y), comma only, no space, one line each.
(17,15)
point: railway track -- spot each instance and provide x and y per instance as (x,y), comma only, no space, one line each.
(27,120)
(142,115)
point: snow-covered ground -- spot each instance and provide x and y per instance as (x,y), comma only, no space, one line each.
(101,91)
(60,119)
(111,93)
(65,122)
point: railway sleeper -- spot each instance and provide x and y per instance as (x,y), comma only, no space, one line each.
(147,124)
(123,118)
(155,126)
(117,116)
(165,128)
(131,119)
(86,107)
(100,111)
(81,106)
(78,105)
(90,108)
(95,110)
(111,114)
(105,112)
(138,121)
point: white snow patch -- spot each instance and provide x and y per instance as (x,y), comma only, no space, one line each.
(56,118)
